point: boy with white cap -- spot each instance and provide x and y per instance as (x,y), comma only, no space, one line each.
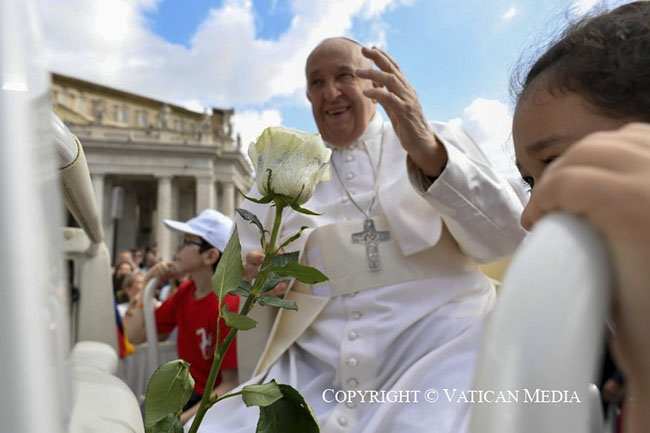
(194,308)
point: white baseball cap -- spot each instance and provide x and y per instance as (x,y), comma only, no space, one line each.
(213,226)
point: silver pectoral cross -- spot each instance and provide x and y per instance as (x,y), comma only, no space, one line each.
(371,238)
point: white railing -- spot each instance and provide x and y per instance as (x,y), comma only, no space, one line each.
(37,393)
(546,334)
(153,350)
(47,389)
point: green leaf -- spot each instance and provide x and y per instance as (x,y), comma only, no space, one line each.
(244,289)
(170,387)
(289,414)
(252,218)
(238,321)
(293,238)
(292,394)
(230,269)
(306,274)
(280,260)
(240,292)
(263,200)
(170,424)
(274,301)
(297,208)
(261,395)
(271,281)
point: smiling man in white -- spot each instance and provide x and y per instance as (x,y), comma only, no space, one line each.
(411,208)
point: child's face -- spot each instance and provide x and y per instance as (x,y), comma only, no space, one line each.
(188,257)
(123,269)
(545,126)
(137,285)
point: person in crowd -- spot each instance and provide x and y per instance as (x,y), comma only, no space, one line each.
(125,256)
(122,269)
(194,308)
(150,260)
(132,287)
(581,131)
(412,320)
(138,256)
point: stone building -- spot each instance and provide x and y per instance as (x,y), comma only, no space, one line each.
(150,160)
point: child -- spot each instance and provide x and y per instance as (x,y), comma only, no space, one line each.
(575,108)
(194,308)
(132,286)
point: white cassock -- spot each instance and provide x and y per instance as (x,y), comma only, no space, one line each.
(414,334)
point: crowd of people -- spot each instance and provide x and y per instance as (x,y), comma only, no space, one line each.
(582,143)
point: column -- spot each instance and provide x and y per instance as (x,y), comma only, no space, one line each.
(109,182)
(128,230)
(164,211)
(176,203)
(98,187)
(218,192)
(205,194)
(239,199)
(228,197)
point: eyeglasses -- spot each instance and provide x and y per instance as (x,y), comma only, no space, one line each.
(186,242)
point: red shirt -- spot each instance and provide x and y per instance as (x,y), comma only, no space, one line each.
(197,330)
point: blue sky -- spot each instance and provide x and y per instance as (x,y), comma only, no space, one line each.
(249,55)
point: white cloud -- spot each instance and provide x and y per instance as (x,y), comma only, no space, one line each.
(489,123)
(227,64)
(581,7)
(249,124)
(193,105)
(509,14)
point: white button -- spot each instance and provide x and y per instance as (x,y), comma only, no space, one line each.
(356,315)
(353,362)
(343,421)
(353,336)
(349,158)
(351,404)
(352,383)
(350,176)
(345,199)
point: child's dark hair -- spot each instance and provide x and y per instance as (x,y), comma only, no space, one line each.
(603,58)
(205,245)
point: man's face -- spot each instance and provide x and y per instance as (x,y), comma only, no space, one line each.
(340,109)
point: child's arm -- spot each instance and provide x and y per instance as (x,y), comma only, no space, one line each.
(134,317)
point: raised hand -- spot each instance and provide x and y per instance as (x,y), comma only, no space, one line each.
(400,101)
(163,271)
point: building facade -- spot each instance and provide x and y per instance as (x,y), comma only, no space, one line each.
(150,160)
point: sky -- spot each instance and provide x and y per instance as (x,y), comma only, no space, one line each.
(249,55)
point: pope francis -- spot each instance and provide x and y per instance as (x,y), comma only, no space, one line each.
(411,208)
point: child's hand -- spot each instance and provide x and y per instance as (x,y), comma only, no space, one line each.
(163,271)
(605,178)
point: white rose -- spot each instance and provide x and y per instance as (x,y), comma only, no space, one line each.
(297,162)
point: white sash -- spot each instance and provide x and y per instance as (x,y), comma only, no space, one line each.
(330,249)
